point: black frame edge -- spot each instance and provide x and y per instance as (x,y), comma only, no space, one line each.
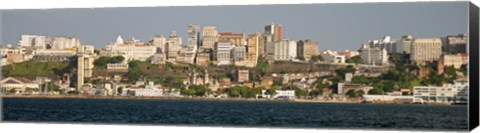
(473,67)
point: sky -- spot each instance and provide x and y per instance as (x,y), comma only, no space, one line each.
(334,26)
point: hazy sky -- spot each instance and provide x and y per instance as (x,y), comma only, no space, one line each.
(334,26)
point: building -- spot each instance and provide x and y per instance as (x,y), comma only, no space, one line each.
(239,55)
(374,55)
(174,44)
(280,94)
(425,50)
(33,41)
(203,57)
(234,38)
(307,49)
(285,50)
(261,46)
(86,57)
(159,41)
(404,44)
(454,60)
(63,42)
(149,90)
(223,50)
(389,44)
(457,43)
(196,78)
(158,58)
(334,58)
(133,50)
(18,85)
(343,88)
(193,32)
(210,37)
(243,75)
(426,94)
(273,33)
(186,54)
(57,55)
(121,67)
(349,54)
(253,49)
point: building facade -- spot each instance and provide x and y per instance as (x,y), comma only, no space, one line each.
(86,57)
(253,49)
(374,55)
(63,42)
(457,43)
(210,37)
(307,49)
(285,50)
(426,49)
(224,50)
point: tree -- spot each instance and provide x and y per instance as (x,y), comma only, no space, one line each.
(120,90)
(464,69)
(188,92)
(395,58)
(316,58)
(234,91)
(351,93)
(271,91)
(300,58)
(355,59)
(117,59)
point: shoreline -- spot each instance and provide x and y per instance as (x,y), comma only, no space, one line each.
(171,98)
(204,99)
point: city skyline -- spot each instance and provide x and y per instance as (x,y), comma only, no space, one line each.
(347,30)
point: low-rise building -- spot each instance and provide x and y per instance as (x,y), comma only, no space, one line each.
(18,85)
(243,75)
(343,88)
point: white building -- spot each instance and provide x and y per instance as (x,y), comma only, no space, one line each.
(54,52)
(193,35)
(134,51)
(149,90)
(33,41)
(210,37)
(334,58)
(239,55)
(86,57)
(448,93)
(187,54)
(284,94)
(18,85)
(224,49)
(374,55)
(159,41)
(285,50)
(63,42)
(425,49)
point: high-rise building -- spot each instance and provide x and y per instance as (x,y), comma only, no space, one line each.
(239,55)
(174,43)
(159,41)
(223,51)
(63,42)
(307,49)
(253,49)
(193,34)
(86,57)
(33,41)
(285,50)
(457,43)
(426,49)
(261,46)
(374,55)
(404,44)
(274,32)
(210,37)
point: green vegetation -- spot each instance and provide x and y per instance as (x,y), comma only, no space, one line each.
(31,69)
(300,58)
(353,93)
(104,60)
(316,58)
(355,59)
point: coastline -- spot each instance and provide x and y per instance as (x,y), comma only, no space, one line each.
(170,98)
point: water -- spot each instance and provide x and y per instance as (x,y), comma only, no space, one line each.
(237,113)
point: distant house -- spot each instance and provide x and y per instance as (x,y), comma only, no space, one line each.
(17,84)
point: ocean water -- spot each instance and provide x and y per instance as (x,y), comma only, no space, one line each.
(236,113)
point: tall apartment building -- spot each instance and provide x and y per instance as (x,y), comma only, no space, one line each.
(210,37)
(234,38)
(159,41)
(223,51)
(307,48)
(239,55)
(457,43)
(174,43)
(404,44)
(253,49)
(374,55)
(285,50)
(193,35)
(426,49)
(274,32)
(33,41)
(261,46)
(86,57)
(63,42)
